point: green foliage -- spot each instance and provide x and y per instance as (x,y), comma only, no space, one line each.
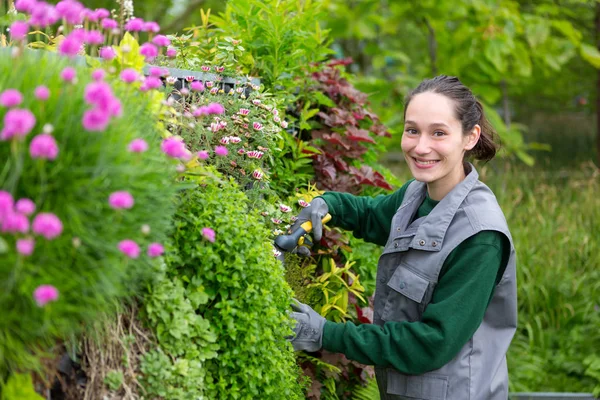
(364,257)
(248,299)
(282,36)
(19,387)
(83,263)
(368,392)
(114,379)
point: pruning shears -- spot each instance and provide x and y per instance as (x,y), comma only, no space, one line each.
(287,243)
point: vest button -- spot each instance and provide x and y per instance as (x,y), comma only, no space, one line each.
(434,244)
(399,229)
(402,285)
(395,244)
(422,242)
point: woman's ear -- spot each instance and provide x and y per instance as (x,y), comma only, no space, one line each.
(473,137)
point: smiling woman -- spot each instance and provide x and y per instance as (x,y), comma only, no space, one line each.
(445,308)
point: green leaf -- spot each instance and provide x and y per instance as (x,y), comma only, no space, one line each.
(323,100)
(522,62)
(590,54)
(567,29)
(20,387)
(536,31)
(494,53)
(3,246)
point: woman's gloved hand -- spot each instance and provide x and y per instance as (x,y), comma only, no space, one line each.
(313,213)
(308,332)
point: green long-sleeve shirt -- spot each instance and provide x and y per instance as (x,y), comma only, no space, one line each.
(465,287)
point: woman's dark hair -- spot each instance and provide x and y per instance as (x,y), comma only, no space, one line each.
(468,109)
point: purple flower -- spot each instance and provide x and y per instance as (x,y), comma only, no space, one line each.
(156,71)
(203,154)
(161,41)
(70,10)
(152,82)
(137,146)
(173,147)
(171,52)
(43,146)
(71,45)
(99,94)
(47,225)
(129,75)
(10,98)
(151,26)
(43,15)
(107,53)
(25,6)
(216,108)
(98,74)
(17,122)
(41,93)
(19,30)
(148,50)
(221,151)
(129,248)
(44,294)
(109,24)
(13,222)
(94,37)
(208,234)
(101,13)
(155,249)
(95,120)
(200,111)
(25,246)
(120,200)
(25,206)
(197,86)
(68,74)
(134,25)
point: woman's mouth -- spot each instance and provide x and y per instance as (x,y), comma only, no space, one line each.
(424,164)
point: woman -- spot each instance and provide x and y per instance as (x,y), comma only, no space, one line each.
(445,300)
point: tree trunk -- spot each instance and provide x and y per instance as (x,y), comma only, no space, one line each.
(597,20)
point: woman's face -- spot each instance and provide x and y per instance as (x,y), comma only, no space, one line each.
(434,144)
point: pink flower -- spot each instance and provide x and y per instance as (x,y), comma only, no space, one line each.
(101,13)
(129,248)
(44,294)
(98,74)
(285,208)
(221,151)
(151,26)
(70,10)
(19,30)
(171,52)
(255,154)
(107,53)
(200,111)
(303,203)
(99,94)
(156,71)
(205,68)
(224,140)
(95,120)
(152,82)
(47,225)
(129,75)
(241,151)
(109,24)
(216,108)
(257,174)
(173,147)
(68,74)
(41,93)
(137,146)
(25,6)
(13,222)
(17,122)
(155,249)
(244,111)
(161,41)
(134,25)
(203,154)
(10,98)
(209,84)
(43,146)
(120,200)
(258,126)
(149,51)
(214,91)
(25,206)
(197,86)
(94,37)
(219,69)
(284,124)
(43,15)
(25,246)
(208,234)
(234,139)
(6,204)
(71,45)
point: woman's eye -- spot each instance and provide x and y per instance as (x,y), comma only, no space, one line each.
(439,133)
(410,131)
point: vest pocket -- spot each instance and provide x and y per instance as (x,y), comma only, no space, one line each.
(424,387)
(405,300)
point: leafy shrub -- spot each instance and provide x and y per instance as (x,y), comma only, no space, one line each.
(83,262)
(247,299)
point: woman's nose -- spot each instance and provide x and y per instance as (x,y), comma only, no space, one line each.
(423,146)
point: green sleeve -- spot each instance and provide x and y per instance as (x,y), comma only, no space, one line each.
(368,218)
(464,290)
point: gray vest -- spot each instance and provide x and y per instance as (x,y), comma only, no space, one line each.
(407,275)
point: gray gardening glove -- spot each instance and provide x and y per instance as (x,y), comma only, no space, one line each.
(308,332)
(313,213)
